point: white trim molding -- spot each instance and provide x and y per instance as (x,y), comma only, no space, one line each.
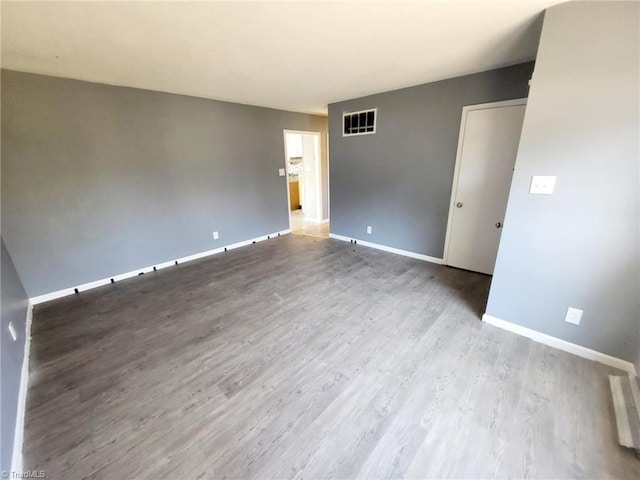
(121,276)
(384,248)
(559,344)
(18,436)
(318,170)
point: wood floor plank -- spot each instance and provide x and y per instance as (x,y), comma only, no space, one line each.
(302,357)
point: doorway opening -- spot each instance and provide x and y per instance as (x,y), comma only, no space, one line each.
(305,185)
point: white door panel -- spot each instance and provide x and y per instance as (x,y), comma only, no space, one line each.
(489,147)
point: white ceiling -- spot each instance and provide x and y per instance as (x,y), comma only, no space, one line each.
(296,56)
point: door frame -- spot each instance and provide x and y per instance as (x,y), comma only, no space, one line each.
(317,167)
(456,172)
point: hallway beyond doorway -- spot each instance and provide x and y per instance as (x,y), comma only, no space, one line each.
(300,226)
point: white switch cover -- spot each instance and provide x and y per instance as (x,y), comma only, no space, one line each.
(542,185)
(369,229)
(215,235)
(281,172)
(574,315)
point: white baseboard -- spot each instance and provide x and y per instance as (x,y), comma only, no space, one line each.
(18,436)
(561,344)
(397,251)
(121,276)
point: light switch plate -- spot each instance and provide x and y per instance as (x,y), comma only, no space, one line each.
(281,172)
(542,185)
(574,315)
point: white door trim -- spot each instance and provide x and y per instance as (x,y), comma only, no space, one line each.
(317,166)
(456,172)
(328,212)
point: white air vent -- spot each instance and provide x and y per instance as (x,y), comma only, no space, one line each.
(359,123)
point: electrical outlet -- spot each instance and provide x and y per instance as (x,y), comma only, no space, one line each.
(574,315)
(542,185)
(215,236)
(281,172)
(12,331)
(369,229)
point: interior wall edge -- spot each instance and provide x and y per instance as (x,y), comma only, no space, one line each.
(15,322)
(578,247)
(18,437)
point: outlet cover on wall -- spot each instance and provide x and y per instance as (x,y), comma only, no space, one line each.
(542,185)
(574,315)
(281,172)
(215,236)
(369,229)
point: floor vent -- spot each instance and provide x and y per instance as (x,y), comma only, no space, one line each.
(625,390)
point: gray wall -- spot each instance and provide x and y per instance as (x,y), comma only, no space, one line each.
(399,180)
(99,180)
(13,308)
(580,246)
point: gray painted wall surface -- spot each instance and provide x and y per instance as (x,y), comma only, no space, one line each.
(99,180)
(399,180)
(580,246)
(13,308)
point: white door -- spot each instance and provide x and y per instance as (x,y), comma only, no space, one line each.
(487,151)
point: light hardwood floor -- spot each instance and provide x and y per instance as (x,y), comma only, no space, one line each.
(301,226)
(302,357)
